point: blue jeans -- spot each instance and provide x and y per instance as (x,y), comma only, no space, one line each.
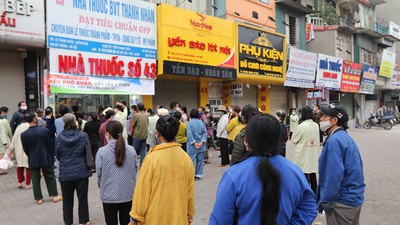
(140,147)
(198,160)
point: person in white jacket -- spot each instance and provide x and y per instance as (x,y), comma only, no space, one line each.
(22,158)
(294,122)
(222,134)
(121,113)
(307,146)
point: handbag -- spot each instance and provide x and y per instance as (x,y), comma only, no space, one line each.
(6,163)
(89,156)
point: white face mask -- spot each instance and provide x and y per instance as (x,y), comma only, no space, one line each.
(24,107)
(325,125)
(294,112)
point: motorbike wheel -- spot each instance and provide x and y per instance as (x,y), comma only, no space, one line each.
(367,125)
(387,125)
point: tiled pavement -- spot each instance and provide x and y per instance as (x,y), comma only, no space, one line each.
(379,148)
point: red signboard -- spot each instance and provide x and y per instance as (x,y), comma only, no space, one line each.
(351,76)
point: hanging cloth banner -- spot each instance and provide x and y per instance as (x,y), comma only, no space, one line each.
(301,71)
(72,84)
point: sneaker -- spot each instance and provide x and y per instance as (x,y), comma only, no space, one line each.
(57,199)
(28,187)
(39,202)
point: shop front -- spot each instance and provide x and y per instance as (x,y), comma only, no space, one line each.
(22,42)
(196,58)
(261,68)
(98,57)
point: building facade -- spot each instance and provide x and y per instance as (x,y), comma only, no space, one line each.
(22,53)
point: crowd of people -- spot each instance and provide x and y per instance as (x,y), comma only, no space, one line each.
(147,162)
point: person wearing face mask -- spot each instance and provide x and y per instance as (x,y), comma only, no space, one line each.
(116,192)
(307,146)
(294,122)
(18,116)
(341,180)
(264,188)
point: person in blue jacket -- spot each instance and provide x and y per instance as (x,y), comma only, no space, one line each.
(264,188)
(196,134)
(341,180)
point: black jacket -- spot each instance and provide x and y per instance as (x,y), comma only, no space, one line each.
(38,147)
(92,129)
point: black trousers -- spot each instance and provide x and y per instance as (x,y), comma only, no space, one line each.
(183,146)
(223,144)
(114,210)
(95,148)
(312,180)
(68,188)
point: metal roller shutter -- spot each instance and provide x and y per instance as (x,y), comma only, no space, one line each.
(186,93)
(12,85)
(278,99)
(249,97)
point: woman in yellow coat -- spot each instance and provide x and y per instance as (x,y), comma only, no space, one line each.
(164,192)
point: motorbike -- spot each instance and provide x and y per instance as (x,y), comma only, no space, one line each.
(376,121)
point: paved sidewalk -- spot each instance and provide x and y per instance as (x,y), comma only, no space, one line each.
(379,149)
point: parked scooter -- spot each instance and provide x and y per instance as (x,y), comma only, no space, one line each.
(375,121)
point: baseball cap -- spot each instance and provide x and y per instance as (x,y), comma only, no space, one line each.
(336,110)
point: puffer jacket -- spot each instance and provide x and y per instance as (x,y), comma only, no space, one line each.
(239,149)
(70,146)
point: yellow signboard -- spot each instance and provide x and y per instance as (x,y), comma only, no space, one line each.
(194,44)
(261,54)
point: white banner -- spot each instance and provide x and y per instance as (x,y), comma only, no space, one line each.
(72,84)
(22,23)
(123,30)
(301,71)
(329,72)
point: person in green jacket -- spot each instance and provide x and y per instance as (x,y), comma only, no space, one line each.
(239,149)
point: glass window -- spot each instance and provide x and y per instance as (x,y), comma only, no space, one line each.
(265,1)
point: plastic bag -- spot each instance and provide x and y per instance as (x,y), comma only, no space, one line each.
(6,163)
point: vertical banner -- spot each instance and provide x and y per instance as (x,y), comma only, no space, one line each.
(368,80)
(395,80)
(387,64)
(301,71)
(329,72)
(309,32)
(351,76)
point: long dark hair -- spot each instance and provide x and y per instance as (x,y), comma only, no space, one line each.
(115,129)
(263,136)
(307,114)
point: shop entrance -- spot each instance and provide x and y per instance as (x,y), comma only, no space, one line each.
(89,103)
